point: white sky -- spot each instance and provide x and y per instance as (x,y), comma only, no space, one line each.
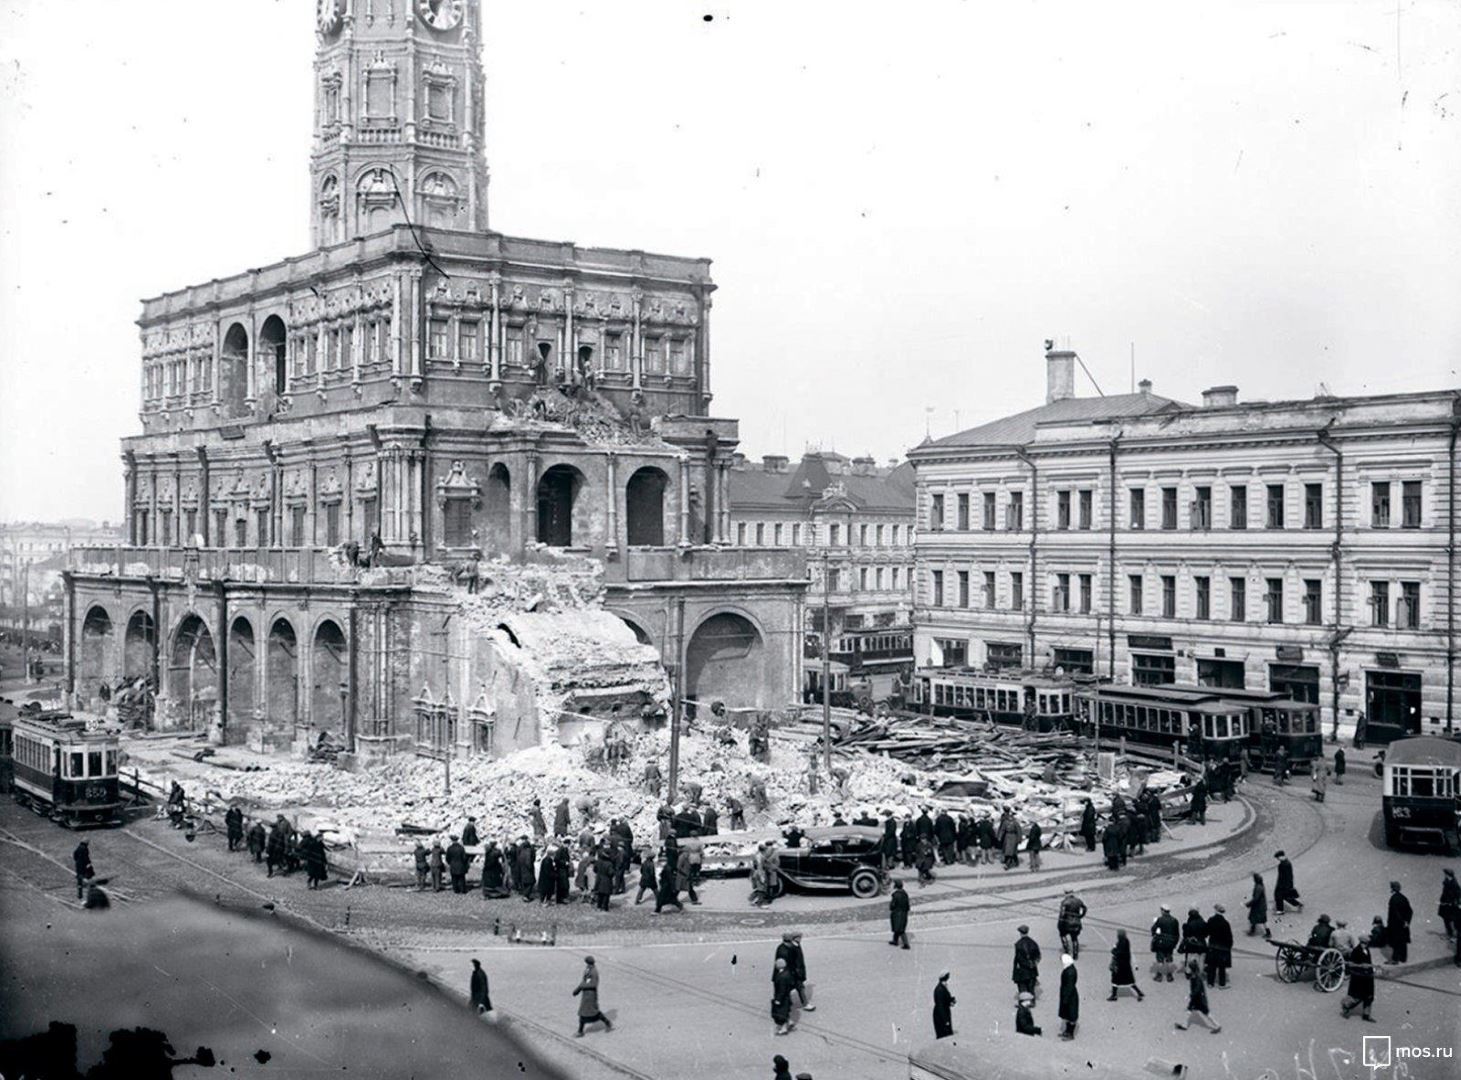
(902,201)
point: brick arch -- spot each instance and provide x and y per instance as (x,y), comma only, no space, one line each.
(94,651)
(243,659)
(282,671)
(328,674)
(726,657)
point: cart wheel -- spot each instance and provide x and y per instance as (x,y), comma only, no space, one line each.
(1290,964)
(865,883)
(1329,971)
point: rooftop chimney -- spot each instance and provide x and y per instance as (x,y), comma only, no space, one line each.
(738,460)
(1217,397)
(864,466)
(1059,374)
(774,463)
(1145,386)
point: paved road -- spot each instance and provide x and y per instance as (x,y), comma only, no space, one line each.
(691,997)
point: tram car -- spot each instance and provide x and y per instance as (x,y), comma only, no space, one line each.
(7,736)
(1029,699)
(1208,727)
(65,771)
(1422,792)
(1275,720)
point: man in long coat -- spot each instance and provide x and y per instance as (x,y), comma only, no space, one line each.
(587,992)
(1111,845)
(233,822)
(1397,925)
(1258,907)
(84,873)
(535,815)
(943,1008)
(1284,891)
(481,999)
(469,834)
(603,880)
(947,835)
(1219,947)
(1070,997)
(1068,922)
(493,886)
(1123,976)
(1361,982)
(783,981)
(898,914)
(524,868)
(1010,840)
(257,840)
(438,864)
(456,862)
(1088,825)
(1449,908)
(561,818)
(1026,972)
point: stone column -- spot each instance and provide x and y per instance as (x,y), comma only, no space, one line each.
(684,501)
(530,500)
(636,341)
(723,513)
(611,472)
(494,344)
(570,346)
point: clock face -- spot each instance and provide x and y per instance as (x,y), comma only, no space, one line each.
(327,15)
(440,14)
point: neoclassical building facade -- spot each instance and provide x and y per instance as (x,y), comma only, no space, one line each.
(423,390)
(1301,546)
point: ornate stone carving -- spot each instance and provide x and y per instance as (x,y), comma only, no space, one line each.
(456,484)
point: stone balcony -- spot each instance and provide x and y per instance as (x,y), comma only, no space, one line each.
(646,565)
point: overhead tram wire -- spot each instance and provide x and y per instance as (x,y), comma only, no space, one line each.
(406,213)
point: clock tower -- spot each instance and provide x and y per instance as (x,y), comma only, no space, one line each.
(398,117)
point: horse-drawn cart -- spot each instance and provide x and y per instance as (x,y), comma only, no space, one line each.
(1323,964)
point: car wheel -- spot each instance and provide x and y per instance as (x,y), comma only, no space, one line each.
(865,884)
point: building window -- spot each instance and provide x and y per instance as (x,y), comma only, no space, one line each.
(1204,596)
(963,512)
(1014,513)
(1202,508)
(1237,599)
(1313,506)
(1017,591)
(1136,499)
(878,536)
(989,590)
(878,577)
(1075,661)
(1085,594)
(367,518)
(164,532)
(1062,509)
(1273,599)
(456,518)
(1408,614)
(989,515)
(936,513)
(263,529)
(332,524)
(963,588)
(834,536)
(1379,603)
(1133,582)
(1238,506)
(897,577)
(1274,518)
(1410,504)
(1380,505)
(220,528)
(761,534)
(296,526)
(1060,601)
(613,352)
(654,356)
(1169,508)
(241,533)
(895,535)
(936,578)
(514,348)
(1153,669)
(1169,596)
(679,357)
(1084,513)
(1313,601)
(741,533)
(862,578)
(1002,655)
(862,535)
(955,651)
(469,341)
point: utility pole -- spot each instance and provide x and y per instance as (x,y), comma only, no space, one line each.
(25,618)
(826,663)
(678,700)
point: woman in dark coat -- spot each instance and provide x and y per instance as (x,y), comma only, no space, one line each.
(898,914)
(492,885)
(647,881)
(316,868)
(481,999)
(603,880)
(783,982)
(547,880)
(943,1008)
(1070,998)
(1121,973)
(1258,908)
(1111,846)
(563,872)
(1088,825)
(256,840)
(1194,936)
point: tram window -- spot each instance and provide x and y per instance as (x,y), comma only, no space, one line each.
(1141,717)
(111,762)
(77,764)
(1422,785)
(93,763)
(1207,726)
(1312,724)
(1220,727)
(979,697)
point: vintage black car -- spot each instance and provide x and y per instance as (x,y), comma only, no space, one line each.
(835,858)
